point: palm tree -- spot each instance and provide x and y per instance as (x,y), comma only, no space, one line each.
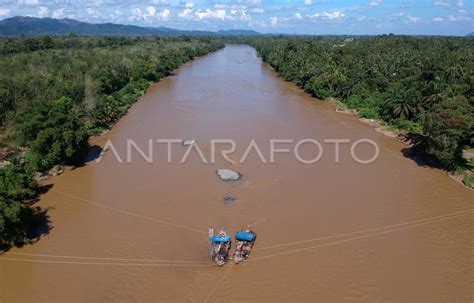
(454,71)
(401,105)
(334,77)
(433,99)
(348,88)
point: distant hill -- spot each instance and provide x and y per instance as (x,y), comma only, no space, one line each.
(31,26)
(238,32)
(471,34)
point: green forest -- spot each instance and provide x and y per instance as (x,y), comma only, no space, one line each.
(423,86)
(56,92)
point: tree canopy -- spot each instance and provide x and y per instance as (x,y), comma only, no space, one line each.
(419,84)
(57,91)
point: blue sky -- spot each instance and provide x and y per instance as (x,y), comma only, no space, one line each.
(429,17)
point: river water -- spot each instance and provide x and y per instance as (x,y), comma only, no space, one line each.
(389,231)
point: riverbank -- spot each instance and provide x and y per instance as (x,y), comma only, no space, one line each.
(379,125)
(100,112)
(463,177)
(397,85)
(48,133)
(385,108)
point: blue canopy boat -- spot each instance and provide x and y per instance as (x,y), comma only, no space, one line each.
(220,247)
(245,236)
(245,240)
(220,239)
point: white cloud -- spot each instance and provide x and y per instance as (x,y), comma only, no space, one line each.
(274,21)
(449,3)
(187,12)
(137,14)
(414,20)
(460,18)
(257,10)
(42,11)
(116,15)
(397,16)
(150,14)
(28,2)
(219,12)
(440,3)
(244,16)
(288,16)
(94,13)
(4,12)
(211,14)
(164,14)
(334,15)
(328,15)
(250,3)
(58,13)
(375,3)
(151,10)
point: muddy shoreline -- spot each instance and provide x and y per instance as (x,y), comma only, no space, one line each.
(380,127)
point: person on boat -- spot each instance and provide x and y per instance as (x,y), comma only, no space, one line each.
(211,232)
(222,249)
(219,247)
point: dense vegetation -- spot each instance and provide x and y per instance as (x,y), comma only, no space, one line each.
(17,188)
(421,85)
(56,92)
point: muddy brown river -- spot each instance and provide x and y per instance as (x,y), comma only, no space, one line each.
(389,231)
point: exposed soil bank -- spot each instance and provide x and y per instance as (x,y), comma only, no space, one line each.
(137,231)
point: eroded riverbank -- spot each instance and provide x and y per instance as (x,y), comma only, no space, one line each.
(388,231)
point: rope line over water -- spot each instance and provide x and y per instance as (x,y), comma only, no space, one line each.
(105,263)
(257,222)
(105,258)
(219,283)
(125,212)
(358,232)
(189,263)
(448,217)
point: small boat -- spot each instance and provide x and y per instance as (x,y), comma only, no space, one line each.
(244,243)
(220,247)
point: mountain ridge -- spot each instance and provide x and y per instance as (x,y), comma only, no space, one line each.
(32,26)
